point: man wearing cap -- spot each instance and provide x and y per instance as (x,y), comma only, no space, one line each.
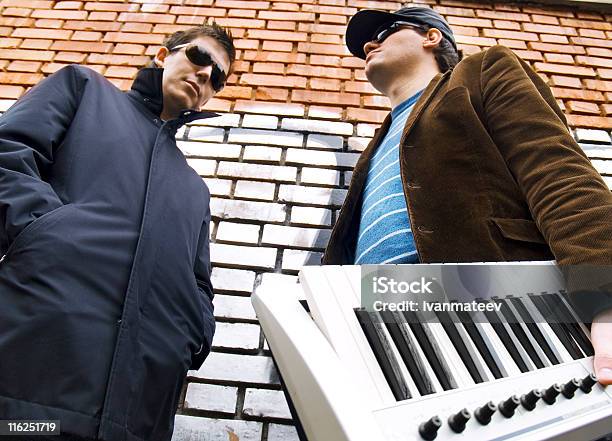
(474,163)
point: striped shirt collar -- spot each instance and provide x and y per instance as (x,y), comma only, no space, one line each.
(406,104)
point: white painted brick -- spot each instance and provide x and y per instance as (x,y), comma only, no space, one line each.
(255,190)
(203,133)
(218,187)
(203,167)
(311,216)
(357,143)
(247,210)
(269,137)
(312,125)
(608,181)
(180,132)
(597,150)
(6,104)
(236,336)
(210,150)
(237,368)
(320,176)
(262,153)
(590,135)
(190,428)
(366,130)
(212,225)
(274,282)
(311,195)
(282,432)
(266,403)
(277,279)
(294,260)
(271,108)
(234,307)
(211,397)
(224,120)
(257,171)
(325,112)
(321,158)
(603,167)
(232,279)
(232,232)
(295,237)
(260,121)
(239,256)
(319,141)
(347,178)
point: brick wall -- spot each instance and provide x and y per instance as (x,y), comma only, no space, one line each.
(295,116)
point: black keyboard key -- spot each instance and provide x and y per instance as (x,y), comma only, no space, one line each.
(479,342)
(460,346)
(519,332)
(436,364)
(503,335)
(534,329)
(562,333)
(384,354)
(581,338)
(408,353)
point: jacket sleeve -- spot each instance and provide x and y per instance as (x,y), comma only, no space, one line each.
(567,197)
(202,272)
(30,133)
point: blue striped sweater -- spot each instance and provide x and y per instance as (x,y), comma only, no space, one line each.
(384,234)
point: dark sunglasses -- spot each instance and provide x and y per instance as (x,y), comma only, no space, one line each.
(201,57)
(385,30)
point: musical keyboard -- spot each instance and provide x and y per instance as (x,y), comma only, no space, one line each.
(505,375)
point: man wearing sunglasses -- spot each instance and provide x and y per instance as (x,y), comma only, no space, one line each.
(474,163)
(105,291)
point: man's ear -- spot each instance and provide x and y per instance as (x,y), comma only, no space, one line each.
(160,56)
(432,39)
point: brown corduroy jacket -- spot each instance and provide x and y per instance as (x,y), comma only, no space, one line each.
(490,173)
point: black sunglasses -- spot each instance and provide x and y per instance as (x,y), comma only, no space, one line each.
(201,57)
(385,30)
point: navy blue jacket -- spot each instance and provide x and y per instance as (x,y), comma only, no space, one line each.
(105,293)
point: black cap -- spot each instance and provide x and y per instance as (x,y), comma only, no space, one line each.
(364,23)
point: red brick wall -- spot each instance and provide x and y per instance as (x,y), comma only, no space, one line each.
(292,51)
(296,115)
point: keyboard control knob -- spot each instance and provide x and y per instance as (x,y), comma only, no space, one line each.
(429,429)
(530,400)
(570,387)
(550,395)
(508,406)
(483,414)
(457,421)
(587,383)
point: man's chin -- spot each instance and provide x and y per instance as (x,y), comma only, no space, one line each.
(182,104)
(375,76)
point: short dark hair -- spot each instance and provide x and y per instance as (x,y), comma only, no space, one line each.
(218,33)
(445,53)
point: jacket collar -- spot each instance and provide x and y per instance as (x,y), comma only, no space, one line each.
(147,89)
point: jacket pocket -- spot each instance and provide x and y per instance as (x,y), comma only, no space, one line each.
(207,332)
(524,230)
(26,235)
